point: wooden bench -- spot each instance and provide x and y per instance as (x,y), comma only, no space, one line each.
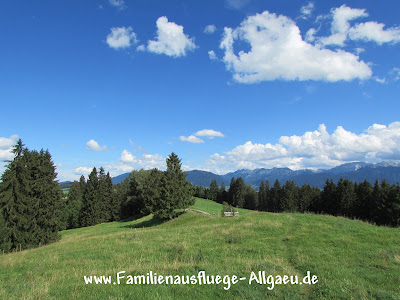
(231,214)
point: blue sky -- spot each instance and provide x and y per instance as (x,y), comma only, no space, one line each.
(225,84)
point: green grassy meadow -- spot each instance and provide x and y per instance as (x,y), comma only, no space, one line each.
(352,259)
(65,191)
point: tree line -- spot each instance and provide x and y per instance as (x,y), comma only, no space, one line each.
(33,208)
(143,192)
(378,203)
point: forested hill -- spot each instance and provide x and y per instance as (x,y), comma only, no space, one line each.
(356,172)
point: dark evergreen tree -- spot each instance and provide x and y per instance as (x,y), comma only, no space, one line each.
(276,197)
(289,196)
(347,197)
(46,197)
(330,203)
(15,202)
(91,209)
(114,206)
(176,191)
(305,198)
(394,207)
(5,242)
(121,195)
(250,198)
(364,206)
(74,205)
(382,196)
(200,191)
(238,193)
(31,201)
(231,190)
(213,190)
(264,196)
(103,196)
(222,194)
(154,191)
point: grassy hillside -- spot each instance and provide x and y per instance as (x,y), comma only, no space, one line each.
(352,259)
(213,207)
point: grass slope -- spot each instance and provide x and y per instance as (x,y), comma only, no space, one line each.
(214,207)
(352,259)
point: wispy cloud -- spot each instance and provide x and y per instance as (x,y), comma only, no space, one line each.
(120,4)
(210,29)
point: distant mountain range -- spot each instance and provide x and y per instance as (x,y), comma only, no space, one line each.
(356,172)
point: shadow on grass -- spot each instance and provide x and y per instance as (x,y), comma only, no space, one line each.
(146,223)
(149,222)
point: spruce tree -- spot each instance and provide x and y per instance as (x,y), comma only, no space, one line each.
(47,197)
(176,190)
(104,196)
(346,196)
(90,213)
(276,197)
(238,192)
(74,205)
(231,190)
(31,201)
(5,242)
(153,191)
(113,200)
(14,200)
(364,205)
(213,190)
(251,200)
(330,203)
(222,194)
(289,196)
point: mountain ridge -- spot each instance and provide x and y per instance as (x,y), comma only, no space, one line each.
(354,171)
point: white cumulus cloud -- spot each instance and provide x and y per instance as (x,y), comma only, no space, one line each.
(83,171)
(212,55)
(6,146)
(129,162)
(170,39)
(94,146)
(209,133)
(191,139)
(373,31)
(315,149)
(341,29)
(121,37)
(277,51)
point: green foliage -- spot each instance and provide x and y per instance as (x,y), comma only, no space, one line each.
(213,190)
(226,207)
(176,191)
(250,198)
(237,192)
(31,200)
(276,197)
(91,208)
(74,205)
(5,242)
